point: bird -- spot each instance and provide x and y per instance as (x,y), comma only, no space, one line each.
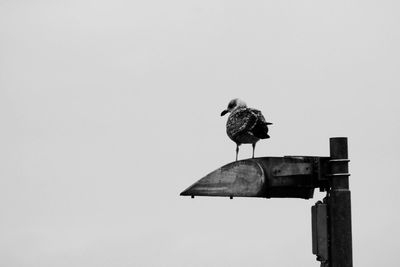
(245,125)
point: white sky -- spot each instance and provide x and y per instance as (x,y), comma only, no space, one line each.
(109,109)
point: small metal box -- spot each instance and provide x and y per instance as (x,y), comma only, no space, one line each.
(320,231)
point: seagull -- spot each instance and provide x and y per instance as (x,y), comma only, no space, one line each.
(245,125)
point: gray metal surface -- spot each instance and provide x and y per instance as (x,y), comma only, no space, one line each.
(339,205)
(267,177)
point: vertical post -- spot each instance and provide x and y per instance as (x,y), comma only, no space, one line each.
(339,205)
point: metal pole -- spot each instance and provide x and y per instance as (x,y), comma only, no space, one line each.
(339,205)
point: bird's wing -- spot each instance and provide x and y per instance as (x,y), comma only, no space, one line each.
(260,116)
(240,121)
(260,129)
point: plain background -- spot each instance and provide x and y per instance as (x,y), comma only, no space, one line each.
(109,109)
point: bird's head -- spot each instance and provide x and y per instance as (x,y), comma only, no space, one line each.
(234,104)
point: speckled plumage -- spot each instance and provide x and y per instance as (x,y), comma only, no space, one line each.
(246,126)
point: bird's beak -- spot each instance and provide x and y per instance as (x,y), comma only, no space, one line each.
(224,112)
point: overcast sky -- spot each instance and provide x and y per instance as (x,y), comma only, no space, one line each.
(109,109)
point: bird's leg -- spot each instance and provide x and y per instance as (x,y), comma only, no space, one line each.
(254,147)
(237,151)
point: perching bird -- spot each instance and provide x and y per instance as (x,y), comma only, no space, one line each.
(245,125)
